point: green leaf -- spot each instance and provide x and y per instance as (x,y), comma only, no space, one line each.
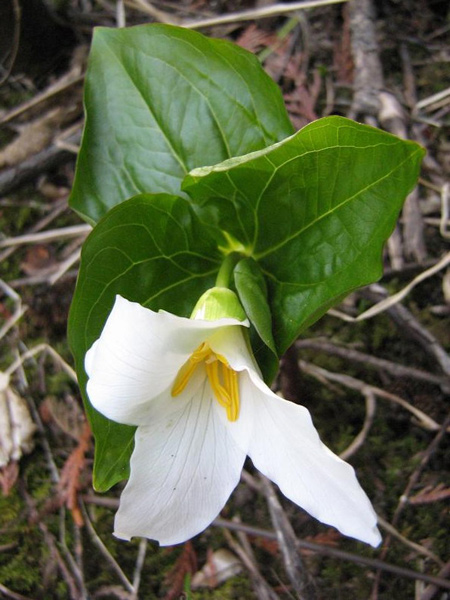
(313,210)
(162,100)
(150,249)
(252,290)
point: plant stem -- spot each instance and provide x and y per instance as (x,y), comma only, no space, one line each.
(224,274)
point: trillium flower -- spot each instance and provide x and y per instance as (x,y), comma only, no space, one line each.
(195,392)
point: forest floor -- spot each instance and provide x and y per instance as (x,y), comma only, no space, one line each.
(377,387)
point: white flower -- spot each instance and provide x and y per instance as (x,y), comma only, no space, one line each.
(196,394)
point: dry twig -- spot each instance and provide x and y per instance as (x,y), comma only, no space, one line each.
(368,76)
(409,326)
(19,309)
(299,577)
(326,550)
(262,588)
(356,384)
(69,578)
(381,364)
(390,301)
(368,421)
(12,595)
(416,547)
(56,210)
(47,236)
(403,501)
(111,561)
(431,590)
(46,160)
(262,12)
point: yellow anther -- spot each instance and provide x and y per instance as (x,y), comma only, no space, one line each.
(186,371)
(222,378)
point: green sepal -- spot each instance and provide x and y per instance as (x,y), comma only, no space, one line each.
(252,290)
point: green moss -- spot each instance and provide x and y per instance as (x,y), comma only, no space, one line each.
(235,588)
(21,571)
(58,383)
(18,567)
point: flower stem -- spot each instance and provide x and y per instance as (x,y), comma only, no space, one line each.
(224,274)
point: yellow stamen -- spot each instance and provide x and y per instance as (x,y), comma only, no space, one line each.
(222,378)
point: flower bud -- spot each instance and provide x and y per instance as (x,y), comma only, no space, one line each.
(218,303)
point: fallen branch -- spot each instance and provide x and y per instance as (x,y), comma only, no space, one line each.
(381,364)
(263,12)
(28,170)
(299,577)
(410,326)
(413,479)
(398,297)
(356,384)
(262,588)
(46,236)
(372,563)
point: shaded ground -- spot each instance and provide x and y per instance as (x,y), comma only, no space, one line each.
(377,388)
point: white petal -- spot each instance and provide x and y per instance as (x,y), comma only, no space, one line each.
(232,343)
(138,356)
(183,469)
(286,447)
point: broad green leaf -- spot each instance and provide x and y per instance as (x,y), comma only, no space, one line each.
(161,100)
(313,210)
(152,250)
